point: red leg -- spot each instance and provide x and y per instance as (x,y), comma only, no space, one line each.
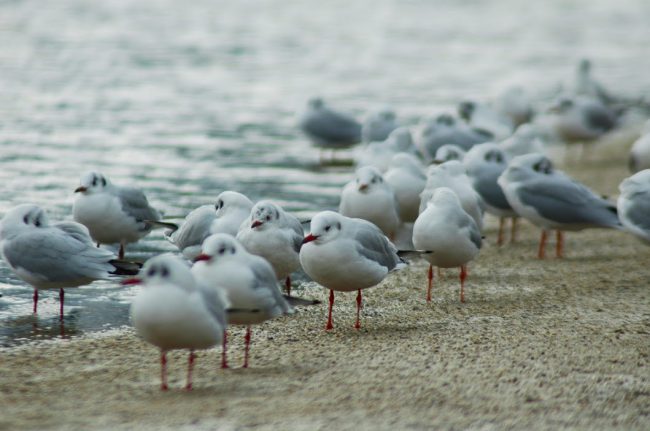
(430,277)
(502,222)
(190,367)
(287,284)
(35,297)
(61,295)
(357,324)
(559,244)
(224,350)
(542,245)
(463,276)
(163,371)
(513,230)
(329,314)
(247,341)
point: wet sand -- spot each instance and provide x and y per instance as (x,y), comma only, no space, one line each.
(559,343)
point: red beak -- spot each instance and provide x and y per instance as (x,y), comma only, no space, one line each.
(202,257)
(309,238)
(80,189)
(256,223)
(362,187)
(131,281)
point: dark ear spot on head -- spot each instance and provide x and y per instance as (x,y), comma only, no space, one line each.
(103,181)
(338,225)
(26,219)
(277,213)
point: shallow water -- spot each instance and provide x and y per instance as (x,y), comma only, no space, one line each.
(188,99)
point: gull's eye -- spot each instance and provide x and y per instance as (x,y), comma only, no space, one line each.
(94,181)
(151,272)
(164,272)
(327,228)
(268,218)
(37,222)
(374,180)
(103,182)
(222,250)
(26,219)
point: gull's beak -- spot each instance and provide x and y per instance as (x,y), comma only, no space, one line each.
(131,281)
(256,223)
(202,257)
(363,187)
(80,189)
(309,238)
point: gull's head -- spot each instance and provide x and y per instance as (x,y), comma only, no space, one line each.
(219,247)
(92,182)
(486,154)
(445,119)
(451,168)
(22,218)
(466,109)
(315,103)
(527,166)
(407,162)
(264,213)
(325,226)
(448,152)
(584,66)
(401,138)
(164,269)
(636,183)
(228,201)
(444,196)
(561,106)
(368,177)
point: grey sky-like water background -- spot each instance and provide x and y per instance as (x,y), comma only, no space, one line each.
(187,99)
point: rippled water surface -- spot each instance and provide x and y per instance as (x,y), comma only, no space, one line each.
(186,99)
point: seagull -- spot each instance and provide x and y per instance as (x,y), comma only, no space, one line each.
(369,197)
(634,205)
(378,125)
(275,235)
(407,180)
(248,280)
(174,312)
(513,103)
(640,153)
(484,164)
(379,154)
(445,129)
(346,254)
(482,117)
(586,85)
(113,214)
(452,174)
(225,216)
(526,139)
(329,129)
(53,256)
(552,200)
(581,119)
(449,152)
(446,235)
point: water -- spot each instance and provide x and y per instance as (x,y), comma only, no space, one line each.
(186,99)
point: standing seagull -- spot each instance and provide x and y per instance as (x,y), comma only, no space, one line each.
(248,280)
(407,180)
(552,200)
(113,214)
(446,235)
(346,254)
(174,312)
(370,198)
(484,164)
(634,205)
(51,256)
(226,216)
(275,235)
(581,119)
(378,125)
(329,129)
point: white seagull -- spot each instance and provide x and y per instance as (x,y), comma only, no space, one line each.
(446,236)
(634,205)
(553,201)
(225,216)
(378,125)
(370,198)
(248,280)
(275,235)
(445,129)
(346,254)
(173,311)
(113,214)
(51,256)
(407,180)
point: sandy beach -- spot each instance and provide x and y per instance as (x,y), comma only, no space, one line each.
(559,343)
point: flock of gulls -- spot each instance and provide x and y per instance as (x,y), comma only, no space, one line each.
(421,197)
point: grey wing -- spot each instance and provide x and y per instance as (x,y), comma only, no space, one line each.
(196,227)
(216,302)
(135,204)
(76,231)
(474,231)
(373,244)
(491,193)
(265,279)
(559,199)
(599,118)
(297,231)
(639,210)
(332,126)
(57,257)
